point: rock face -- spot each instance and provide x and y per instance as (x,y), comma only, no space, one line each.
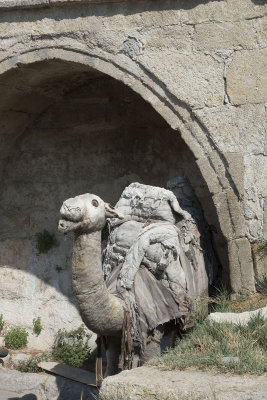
(16,385)
(98,94)
(150,383)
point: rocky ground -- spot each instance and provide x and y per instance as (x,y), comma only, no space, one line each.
(15,385)
(145,383)
(148,383)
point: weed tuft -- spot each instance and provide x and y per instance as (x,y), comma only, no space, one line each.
(31,365)
(16,338)
(37,326)
(2,323)
(72,347)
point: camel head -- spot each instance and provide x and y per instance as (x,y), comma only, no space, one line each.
(85,213)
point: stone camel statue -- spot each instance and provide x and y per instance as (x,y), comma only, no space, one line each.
(103,312)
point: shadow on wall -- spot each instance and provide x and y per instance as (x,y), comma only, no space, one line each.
(100,10)
(68,131)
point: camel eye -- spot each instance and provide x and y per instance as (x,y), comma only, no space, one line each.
(95,203)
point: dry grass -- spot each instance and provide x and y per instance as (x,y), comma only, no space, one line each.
(258,300)
(206,345)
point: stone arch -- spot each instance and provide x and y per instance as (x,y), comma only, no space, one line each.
(212,163)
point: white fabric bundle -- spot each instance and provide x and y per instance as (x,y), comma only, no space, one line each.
(147,236)
(149,203)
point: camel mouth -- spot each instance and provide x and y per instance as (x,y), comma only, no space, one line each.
(65,225)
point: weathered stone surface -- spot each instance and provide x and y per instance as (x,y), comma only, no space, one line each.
(15,385)
(194,78)
(236,169)
(150,383)
(261,29)
(255,199)
(259,251)
(172,37)
(237,129)
(233,10)
(246,77)
(241,273)
(76,144)
(65,126)
(225,35)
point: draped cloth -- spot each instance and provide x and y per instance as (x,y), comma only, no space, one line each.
(150,304)
(154,258)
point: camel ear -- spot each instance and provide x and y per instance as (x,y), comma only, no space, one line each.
(111,212)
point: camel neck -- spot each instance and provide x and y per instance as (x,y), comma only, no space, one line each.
(101,311)
(86,263)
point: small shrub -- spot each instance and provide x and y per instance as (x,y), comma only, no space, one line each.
(37,326)
(31,365)
(72,347)
(16,338)
(45,241)
(262,245)
(2,323)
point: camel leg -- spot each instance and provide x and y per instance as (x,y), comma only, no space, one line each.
(113,352)
(153,345)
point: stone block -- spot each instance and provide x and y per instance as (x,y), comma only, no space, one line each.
(255,195)
(261,29)
(236,170)
(150,383)
(209,175)
(246,77)
(17,385)
(218,11)
(259,251)
(194,78)
(230,214)
(241,266)
(236,129)
(224,35)
(172,37)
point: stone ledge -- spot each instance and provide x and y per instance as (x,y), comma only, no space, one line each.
(149,383)
(25,4)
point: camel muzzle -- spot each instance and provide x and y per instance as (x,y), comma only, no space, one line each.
(66,226)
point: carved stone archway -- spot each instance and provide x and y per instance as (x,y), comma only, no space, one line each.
(213,164)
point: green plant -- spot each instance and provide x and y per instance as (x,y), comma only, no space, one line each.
(45,241)
(16,338)
(2,323)
(31,365)
(206,345)
(37,326)
(72,347)
(262,245)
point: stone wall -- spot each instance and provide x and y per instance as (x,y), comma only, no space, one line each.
(95,96)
